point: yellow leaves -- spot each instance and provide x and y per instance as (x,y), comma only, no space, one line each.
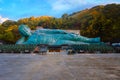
(11,28)
(45,18)
(94,13)
(8,30)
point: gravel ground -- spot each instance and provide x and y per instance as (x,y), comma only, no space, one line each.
(60,67)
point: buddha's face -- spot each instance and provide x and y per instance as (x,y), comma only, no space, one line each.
(24,30)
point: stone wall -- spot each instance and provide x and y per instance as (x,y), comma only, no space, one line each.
(74,31)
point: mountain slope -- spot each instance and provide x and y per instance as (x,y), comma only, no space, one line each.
(100,21)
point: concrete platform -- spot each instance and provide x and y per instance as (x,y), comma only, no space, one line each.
(60,67)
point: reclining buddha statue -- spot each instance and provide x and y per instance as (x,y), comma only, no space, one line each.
(52,37)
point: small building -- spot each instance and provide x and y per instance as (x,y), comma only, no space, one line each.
(52,49)
(59,49)
(65,49)
(41,49)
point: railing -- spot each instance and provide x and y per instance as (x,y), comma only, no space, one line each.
(16,48)
(93,48)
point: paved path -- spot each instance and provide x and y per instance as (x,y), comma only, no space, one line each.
(60,67)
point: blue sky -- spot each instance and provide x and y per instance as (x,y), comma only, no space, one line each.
(16,9)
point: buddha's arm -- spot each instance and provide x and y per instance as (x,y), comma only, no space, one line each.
(21,40)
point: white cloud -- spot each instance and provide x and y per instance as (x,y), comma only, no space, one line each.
(99,2)
(2,19)
(63,5)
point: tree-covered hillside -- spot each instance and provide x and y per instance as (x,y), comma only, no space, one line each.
(99,21)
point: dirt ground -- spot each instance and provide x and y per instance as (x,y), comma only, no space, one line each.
(60,67)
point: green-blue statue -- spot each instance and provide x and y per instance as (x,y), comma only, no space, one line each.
(52,37)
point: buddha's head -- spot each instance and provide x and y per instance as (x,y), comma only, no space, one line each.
(24,30)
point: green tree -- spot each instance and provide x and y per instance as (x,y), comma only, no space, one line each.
(9,23)
(9,37)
